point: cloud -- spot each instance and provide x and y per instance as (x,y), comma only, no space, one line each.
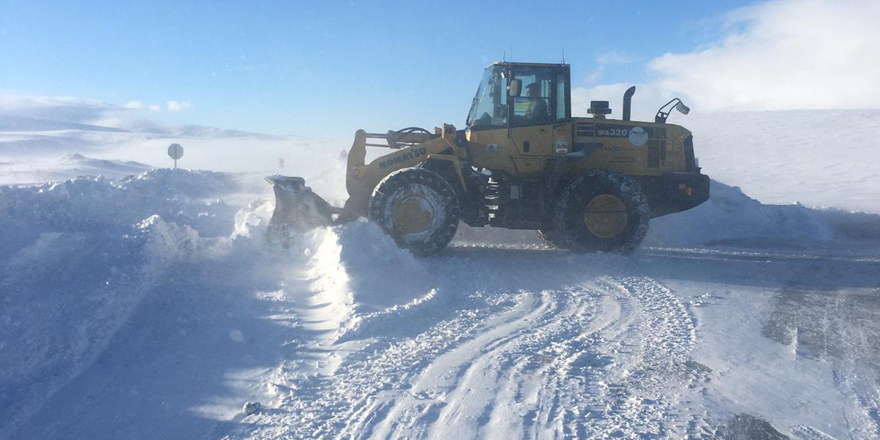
(645,102)
(172,106)
(606,59)
(134,115)
(784,54)
(176,106)
(56,108)
(777,55)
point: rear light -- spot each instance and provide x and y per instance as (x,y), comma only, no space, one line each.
(688,191)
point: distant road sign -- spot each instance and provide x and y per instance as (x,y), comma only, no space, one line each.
(175,151)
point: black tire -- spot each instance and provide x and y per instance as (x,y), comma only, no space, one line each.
(603,211)
(418,208)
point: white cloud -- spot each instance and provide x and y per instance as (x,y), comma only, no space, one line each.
(56,108)
(135,105)
(786,54)
(176,106)
(606,59)
(155,107)
(645,102)
(778,55)
(613,57)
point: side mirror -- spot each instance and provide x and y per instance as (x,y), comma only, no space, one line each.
(514,87)
(683,109)
(674,103)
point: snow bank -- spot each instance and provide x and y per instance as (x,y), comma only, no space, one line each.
(77,257)
(822,159)
(732,218)
(729,218)
(96,203)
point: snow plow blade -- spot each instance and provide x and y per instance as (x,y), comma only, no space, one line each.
(297,209)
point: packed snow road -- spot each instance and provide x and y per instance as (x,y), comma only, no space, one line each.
(514,343)
(558,362)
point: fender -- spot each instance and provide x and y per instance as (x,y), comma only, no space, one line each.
(441,162)
(362,178)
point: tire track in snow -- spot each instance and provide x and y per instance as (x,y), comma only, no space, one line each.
(654,378)
(552,378)
(853,373)
(358,392)
(591,360)
(820,321)
(499,372)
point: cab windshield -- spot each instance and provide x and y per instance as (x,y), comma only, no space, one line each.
(490,104)
(541,97)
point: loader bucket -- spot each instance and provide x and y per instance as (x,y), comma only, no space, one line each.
(297,209)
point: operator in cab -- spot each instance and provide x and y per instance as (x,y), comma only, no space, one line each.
(537,111)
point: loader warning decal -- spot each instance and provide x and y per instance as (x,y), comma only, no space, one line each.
(405,157)
(638,136)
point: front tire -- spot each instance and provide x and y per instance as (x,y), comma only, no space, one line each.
(602,211)
(417,208)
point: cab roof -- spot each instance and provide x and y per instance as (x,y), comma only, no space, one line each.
(511,63)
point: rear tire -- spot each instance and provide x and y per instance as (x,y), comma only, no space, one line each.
(602,211)
(417,208)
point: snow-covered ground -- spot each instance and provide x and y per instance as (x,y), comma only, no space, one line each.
(146,303)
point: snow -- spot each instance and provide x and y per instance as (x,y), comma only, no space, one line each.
(823,159)
(146,303)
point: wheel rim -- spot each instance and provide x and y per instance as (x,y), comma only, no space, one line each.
(413,214)
(606,216)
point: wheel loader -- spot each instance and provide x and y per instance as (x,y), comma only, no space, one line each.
(522,161)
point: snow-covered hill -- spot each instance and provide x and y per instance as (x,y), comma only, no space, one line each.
(146,303)
(821,159)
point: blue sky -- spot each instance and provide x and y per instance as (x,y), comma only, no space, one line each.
(316,68)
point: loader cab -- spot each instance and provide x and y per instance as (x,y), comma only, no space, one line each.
(521,94)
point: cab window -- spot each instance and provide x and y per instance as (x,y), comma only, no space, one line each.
(542,96)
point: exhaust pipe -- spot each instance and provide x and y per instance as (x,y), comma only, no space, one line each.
(627,102)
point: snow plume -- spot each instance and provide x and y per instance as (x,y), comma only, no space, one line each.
(360,273)
(776,55)
(167,243)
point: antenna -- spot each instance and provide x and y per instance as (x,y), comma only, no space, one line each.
(504,56)
(563,55)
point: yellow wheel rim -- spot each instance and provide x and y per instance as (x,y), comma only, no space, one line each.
(606,216)
(413,214)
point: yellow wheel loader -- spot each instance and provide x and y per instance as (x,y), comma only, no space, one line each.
(522,162)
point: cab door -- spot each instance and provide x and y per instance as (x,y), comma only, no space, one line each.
(537,138)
